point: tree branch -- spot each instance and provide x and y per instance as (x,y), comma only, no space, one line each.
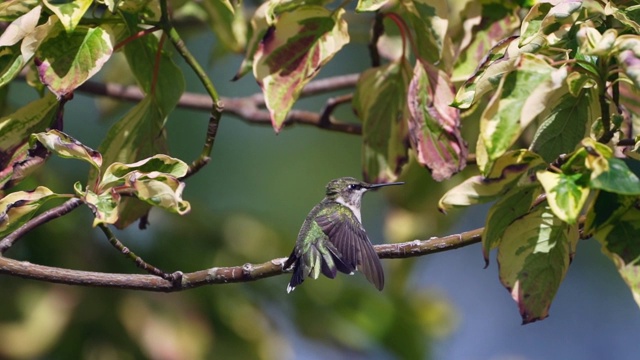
(217,275)
(249,109)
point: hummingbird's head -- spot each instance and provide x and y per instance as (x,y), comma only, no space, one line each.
(349,190)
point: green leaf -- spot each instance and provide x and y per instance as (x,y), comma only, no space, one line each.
(429,18)
(69,13)
(434,126)
(479,37)
(11,63)
(370,5)
(566,194)
(18,207)
(153,181)
(15,130)
(501,122)
(380,100)
(568,122)
(65,146)
(534,255)
(620,243)
(151,66)
(617,179)
(227,22)
(514,204)
(293,51)
(13,9)
(605,210)
(106,207)
(513,167)
(66,60)
(548,24)
(161,190)
(115,174)
(488,75)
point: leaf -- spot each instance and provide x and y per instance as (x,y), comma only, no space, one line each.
(501,122)
(429,18)
(263,18)
(10,10)
(605,210)
(160,190)
(514,204)
(106,207)
(11,63)
(548,24)
(69,13)
(15,130)
(370,5)
(617,179)
(566,194)
(620,243)
(117,172)
(227,22)
(293,51)
(434,126)
(380,100)
(65,146)
(533,257)
(20,27)
(567,123)
(19,207)
(153,181)
(491,69)
(631,65)
(66,60)
(138,134)
(506,172)
(164,74)
(479,39)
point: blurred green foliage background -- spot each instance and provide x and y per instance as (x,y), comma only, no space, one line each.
(247,206)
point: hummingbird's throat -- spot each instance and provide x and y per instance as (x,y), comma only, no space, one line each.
(354,206)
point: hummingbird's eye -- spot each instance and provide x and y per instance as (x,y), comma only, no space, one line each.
(355,187)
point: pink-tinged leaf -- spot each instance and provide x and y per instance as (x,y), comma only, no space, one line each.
(434,126)
(67,147)
(380,101)
(16,161)
(66,60)
(18,207)
(292,52)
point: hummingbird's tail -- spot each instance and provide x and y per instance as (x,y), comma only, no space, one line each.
(318,259)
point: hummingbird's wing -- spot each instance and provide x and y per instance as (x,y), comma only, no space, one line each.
(351,241)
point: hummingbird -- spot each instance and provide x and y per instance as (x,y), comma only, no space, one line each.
(332,238)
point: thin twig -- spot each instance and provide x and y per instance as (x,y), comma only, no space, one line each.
(131,255)
(217,275)
(332,104)
(41,219)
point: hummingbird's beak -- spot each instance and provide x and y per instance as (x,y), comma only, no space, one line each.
(375,186)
